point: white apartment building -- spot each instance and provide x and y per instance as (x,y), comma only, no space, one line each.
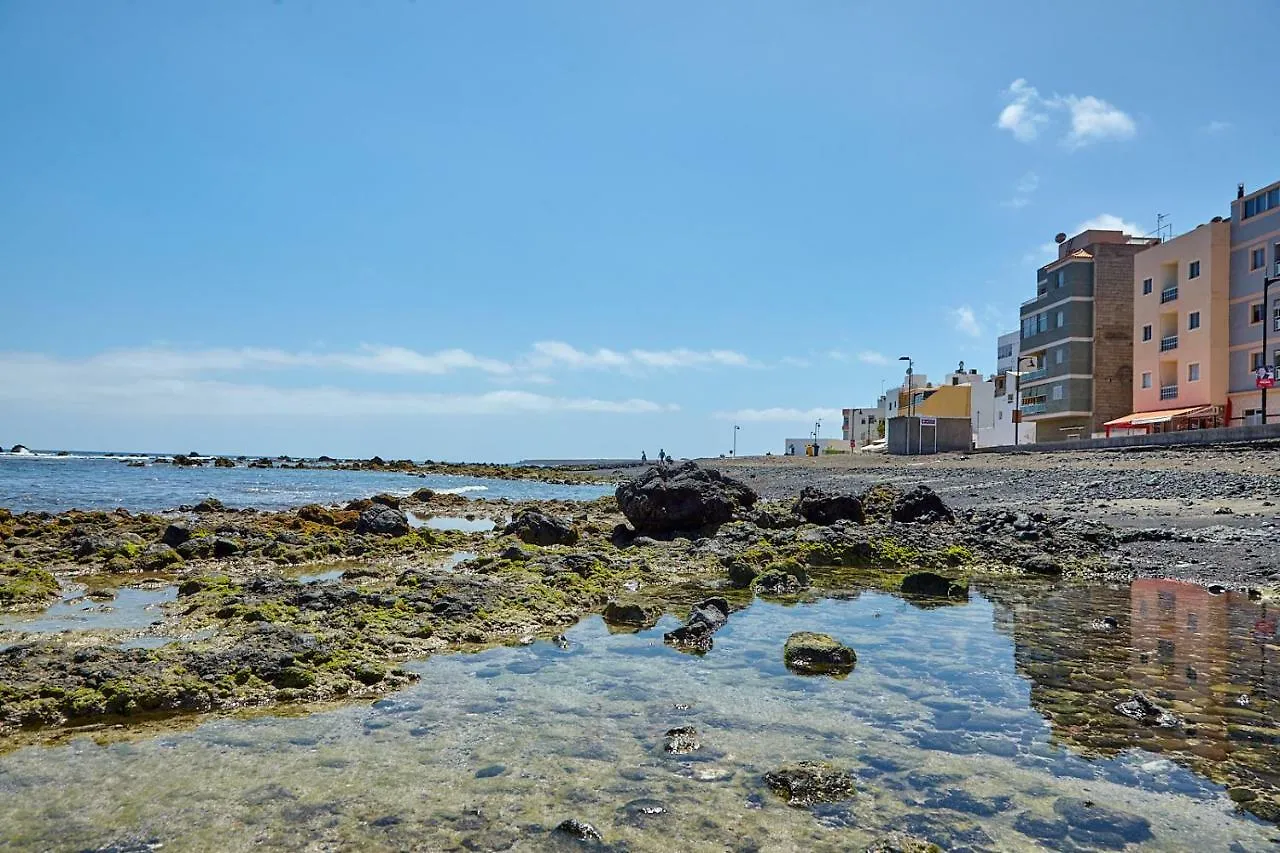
(1007,352)
(862,426)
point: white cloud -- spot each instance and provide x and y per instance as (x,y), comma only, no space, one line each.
(548,354)
(872,357)
(805,416)
(1091,119)
(104,387)
(1216,127)
(1095,120)
(1046,252)
(1026,185)
(1024,114)
(965,321)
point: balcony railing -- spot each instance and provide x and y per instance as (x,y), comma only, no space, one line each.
(1168,294)
(1033,375)
(1168,392)
(1168,343)
(1034,408)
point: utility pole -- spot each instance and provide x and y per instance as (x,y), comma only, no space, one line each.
(735,441)
(1268,318)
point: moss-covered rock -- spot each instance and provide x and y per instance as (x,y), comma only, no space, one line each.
(818,654)
(809,783)
(24,586)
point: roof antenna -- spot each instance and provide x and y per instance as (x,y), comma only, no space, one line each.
(1239,190)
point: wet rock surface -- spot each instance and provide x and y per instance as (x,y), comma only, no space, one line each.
(537,528)
(809,783)
(819,507)
(817,654)
(705,619)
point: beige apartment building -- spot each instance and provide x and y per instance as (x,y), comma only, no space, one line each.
(1181,329)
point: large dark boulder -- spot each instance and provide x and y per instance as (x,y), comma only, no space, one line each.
(175,535)
(683,498)
(933,585)
(819,507)
(534,527)
(921,504)
(382,520)
(705,619)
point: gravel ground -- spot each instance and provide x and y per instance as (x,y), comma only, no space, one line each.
(1209,515)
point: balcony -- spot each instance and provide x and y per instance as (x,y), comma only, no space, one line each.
(1033,375)
(1168,392)
(1168,343)
(1168,294)
(1037,408)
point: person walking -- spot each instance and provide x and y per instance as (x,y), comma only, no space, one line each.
(644,457)
(662,456)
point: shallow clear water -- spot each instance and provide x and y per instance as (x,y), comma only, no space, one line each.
(53,484)
(941,721)
(130,608)
(452,522)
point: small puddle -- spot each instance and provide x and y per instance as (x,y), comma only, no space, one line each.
(320,577)
(130,609)
(457,558)
(452,522)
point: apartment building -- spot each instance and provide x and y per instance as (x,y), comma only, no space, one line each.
(1255,249)
(1076,340)
(1180,332)
(861,426)
(1007,352)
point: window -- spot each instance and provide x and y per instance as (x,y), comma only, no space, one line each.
(1009,399)
(1255,360)
(1042,322)
(1193,372)
(1057,355)
(1258,258)
(1062,319)
(1256,312)
(1146,286)
(1057,392)
(1146,332)
(1275,315)
(1146,379)
(1193,269)
(1062,278)
(1193,320)
(1261,203)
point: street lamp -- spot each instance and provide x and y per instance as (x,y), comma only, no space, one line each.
(735,441)
(1017,396)
(1268,317)
(911,402)
(817,426)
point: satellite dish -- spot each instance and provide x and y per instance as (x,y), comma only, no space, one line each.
(1060,238)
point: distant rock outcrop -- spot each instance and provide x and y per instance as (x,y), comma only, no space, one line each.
(680,499)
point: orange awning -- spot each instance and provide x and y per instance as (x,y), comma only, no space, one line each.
(1159,416)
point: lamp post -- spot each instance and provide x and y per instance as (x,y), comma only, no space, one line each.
(735,441)
(1017,397)
(817,426)
(911,402)
(1268,317)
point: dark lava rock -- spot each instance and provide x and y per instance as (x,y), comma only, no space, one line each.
(921,504)
(741,572)
(209,504)
(819,507)
(1139,707)
(817,654)
(631,613)
(537,528)
(491,771)
(176,534)
(578,830)
(704,620)
(930,584)
(223,548)
(642,812)
(423,495)
(1042,564)
(383,521)
(896,842)
(1091,823)
(683,498)
(807,783)
(781,580)
(386,500)
(681,741)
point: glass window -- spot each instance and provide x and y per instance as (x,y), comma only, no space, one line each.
(1255,360)
(1193,372)
(1146,333)
(1146,379)
(1042,322)
(1250,208)
(1273,197)
(1193,269)
(1062,278)
(1062,319)
(1256,313)
(1057,392)
(1057,355)
(1193,320)
(1146,286)
(1258,258)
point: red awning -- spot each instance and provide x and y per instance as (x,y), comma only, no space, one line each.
(1160,416)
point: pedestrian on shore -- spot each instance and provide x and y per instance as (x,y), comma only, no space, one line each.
(662,456)
(644,457)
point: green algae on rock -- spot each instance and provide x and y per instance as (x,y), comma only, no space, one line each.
(25,586)
(809,783)
(818,654)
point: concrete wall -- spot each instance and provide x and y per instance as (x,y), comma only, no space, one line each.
(907,437)
(1187,438)
(826,446)
(1113,331)
(1167,265)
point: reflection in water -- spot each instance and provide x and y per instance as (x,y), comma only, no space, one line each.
(1209,659)
(129,608)
(450,522)
(942,723)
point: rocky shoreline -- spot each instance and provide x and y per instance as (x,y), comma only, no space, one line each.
(256,628)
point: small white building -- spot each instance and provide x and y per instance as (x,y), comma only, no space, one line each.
(1007,352)
(997,428)
(861,426)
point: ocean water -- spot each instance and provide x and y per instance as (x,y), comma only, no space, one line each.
(960,724)
(56,483)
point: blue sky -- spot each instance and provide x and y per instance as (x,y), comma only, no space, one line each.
(549,228)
